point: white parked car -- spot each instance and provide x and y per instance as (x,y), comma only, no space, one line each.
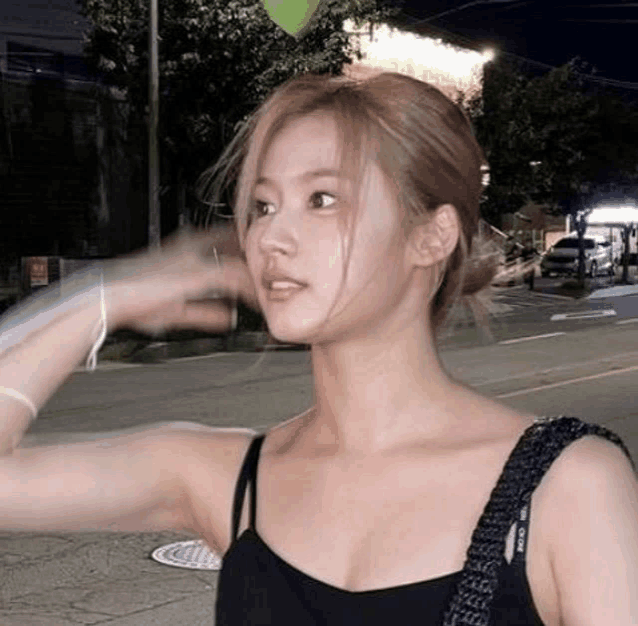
(562,257)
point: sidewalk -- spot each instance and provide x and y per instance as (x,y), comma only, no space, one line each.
(617,290)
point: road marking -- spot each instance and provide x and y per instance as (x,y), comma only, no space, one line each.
(530,338)
(523,291)
(202,356)
(633,319)
(605,360)
(108,366)
(582,315)
(553,296)
(567,382)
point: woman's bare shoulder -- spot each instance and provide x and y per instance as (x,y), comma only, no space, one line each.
(208,460)
(200,447)
(198,428)
(587,466)
(591,521)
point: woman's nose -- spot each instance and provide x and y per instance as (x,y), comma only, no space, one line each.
(279,235)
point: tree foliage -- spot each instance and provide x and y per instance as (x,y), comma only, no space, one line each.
(550,140)
(218,59)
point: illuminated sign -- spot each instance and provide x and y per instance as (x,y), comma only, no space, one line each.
(38,271)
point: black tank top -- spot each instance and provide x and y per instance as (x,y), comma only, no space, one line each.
(258,588)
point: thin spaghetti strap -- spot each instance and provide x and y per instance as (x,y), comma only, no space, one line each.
(246,473)
(253,482)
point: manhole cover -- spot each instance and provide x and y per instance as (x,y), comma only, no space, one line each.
(193,554)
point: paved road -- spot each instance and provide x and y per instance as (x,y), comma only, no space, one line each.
(520,298)
(57,579)
(518,313)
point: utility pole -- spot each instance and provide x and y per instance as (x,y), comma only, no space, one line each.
(153,152)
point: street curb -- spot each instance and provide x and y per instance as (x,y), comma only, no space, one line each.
(616,290)
(132,353)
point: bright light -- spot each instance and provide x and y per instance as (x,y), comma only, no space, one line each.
(488,55)
(451,68)
(618,214)
(485,175)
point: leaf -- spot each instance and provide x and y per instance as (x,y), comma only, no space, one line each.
(291,15)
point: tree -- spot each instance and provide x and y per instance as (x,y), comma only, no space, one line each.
(218,60)
(503,133)
(551,141)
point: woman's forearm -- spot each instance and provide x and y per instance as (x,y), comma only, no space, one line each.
(47,352)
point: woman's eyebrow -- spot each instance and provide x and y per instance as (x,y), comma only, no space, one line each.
(320,173)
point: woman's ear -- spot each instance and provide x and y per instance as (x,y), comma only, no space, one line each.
(434,240)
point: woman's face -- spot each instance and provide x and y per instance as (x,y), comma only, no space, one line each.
(296,232)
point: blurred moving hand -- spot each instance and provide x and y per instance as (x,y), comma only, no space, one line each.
(182,285)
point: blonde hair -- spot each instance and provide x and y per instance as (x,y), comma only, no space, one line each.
(422,141)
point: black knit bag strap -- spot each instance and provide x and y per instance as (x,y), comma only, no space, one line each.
(535,451)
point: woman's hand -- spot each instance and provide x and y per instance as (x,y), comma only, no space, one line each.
(181,285)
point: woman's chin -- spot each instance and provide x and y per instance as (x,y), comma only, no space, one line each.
(291,335)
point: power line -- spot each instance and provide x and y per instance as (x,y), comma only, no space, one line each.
(32,54)
(463,6)
(598,79)
(624,5)
(36,35)
(576,19)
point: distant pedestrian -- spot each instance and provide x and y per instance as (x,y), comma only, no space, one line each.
(512,256)
(528,256)
(512,251)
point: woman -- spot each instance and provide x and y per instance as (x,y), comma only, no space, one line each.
(356,206)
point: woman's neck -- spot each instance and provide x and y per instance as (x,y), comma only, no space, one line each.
(373,396)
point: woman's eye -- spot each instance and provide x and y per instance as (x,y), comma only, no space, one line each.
(259,206)
(317,201)
(324,194)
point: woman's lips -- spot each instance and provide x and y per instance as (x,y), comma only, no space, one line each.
(278,291)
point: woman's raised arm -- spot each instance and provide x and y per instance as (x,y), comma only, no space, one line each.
(142,479)
(45,338)
(127,480)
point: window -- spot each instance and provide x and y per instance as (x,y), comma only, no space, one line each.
(589,244)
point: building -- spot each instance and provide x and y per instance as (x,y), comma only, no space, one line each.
(66,186)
